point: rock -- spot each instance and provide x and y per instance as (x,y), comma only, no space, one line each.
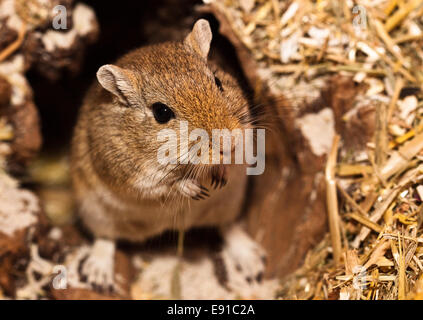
(27,135)
(21,222)
(19,111)
(43,48)
(355,120)
(52,52)
(46,49)
(80,294)
(5,92)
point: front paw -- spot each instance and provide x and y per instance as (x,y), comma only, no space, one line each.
(192,189)
(244,255)
(218,177)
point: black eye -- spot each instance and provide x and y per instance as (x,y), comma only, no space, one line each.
(162,113)
(218,83)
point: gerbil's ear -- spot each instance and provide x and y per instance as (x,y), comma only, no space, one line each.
(200,37)
(118,81)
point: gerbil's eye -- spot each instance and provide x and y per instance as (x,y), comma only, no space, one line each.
(162,113)
(218,83)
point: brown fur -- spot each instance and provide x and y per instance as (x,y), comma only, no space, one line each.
(120,190)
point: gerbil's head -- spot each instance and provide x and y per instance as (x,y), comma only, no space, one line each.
(159,87)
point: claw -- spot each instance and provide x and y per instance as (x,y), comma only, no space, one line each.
(218,178)
(221,182)
(213,182)
(206,194)
(224,182)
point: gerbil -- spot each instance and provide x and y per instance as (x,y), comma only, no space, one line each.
(121,189)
